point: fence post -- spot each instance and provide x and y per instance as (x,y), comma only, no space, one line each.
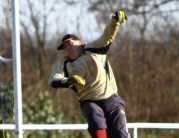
(135,131)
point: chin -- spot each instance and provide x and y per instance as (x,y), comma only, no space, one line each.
(72,58)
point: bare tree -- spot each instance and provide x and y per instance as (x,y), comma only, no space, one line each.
(39,23)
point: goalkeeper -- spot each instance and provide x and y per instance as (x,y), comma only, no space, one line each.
(86,70)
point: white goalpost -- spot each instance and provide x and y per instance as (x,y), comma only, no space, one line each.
(17,69)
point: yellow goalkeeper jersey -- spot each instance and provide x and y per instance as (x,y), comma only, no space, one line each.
(92,66)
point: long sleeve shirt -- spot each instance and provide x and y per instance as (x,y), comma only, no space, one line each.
(92,66)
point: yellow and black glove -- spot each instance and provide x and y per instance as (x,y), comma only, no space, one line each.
(120,16)
(75,79)
(68,82)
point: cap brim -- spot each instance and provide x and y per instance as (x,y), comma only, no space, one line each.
(60,47)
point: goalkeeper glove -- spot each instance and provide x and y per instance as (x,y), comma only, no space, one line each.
(68,82)
(120,16)
(75,80)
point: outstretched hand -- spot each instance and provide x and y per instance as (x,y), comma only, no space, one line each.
(120,16)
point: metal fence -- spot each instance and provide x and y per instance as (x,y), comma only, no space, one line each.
(134,126)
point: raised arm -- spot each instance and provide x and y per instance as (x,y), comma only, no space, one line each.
(109,33)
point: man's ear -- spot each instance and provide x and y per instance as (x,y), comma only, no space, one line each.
(83,45)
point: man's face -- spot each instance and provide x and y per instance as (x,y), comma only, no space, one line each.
(73,48)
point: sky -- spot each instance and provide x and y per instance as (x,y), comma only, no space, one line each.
(4,4)
(64,18)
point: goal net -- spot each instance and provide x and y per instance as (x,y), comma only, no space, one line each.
(6,71)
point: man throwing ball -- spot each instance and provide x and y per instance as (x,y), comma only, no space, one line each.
(86,70)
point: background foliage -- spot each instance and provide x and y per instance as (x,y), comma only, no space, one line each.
(144,57)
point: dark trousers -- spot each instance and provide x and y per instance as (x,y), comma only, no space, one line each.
(106,114)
